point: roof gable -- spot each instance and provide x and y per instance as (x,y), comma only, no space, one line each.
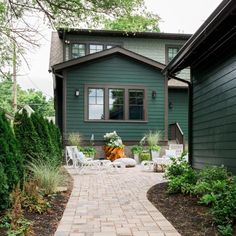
(116,50)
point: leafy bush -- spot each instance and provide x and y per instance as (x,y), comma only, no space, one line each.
(213,185)
(88,151)
(47,175)
(34,200)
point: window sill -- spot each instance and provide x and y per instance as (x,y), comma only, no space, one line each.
(116,121)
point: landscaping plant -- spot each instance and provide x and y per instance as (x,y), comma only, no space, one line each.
(47,175)
(11,161)
(214,186)
(74,139)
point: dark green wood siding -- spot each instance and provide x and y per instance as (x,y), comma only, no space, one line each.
(179,111)
(114,70)
(214,114)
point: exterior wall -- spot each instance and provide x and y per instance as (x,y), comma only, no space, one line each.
(214,113)
(151,48)
(114,70)
(179,111)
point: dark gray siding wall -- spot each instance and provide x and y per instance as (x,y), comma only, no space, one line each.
(114,70)
(179,111)
(214,114)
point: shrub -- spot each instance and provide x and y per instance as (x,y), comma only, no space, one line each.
(47,175)
(28,138)
(4,189)
(181,176)
(11,169)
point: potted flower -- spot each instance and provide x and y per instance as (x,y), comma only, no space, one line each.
(136,150)
(153,138)
(114,147)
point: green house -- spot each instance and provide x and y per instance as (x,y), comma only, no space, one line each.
(111,80)
(211,54)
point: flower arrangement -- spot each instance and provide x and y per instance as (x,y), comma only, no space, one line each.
(112,139)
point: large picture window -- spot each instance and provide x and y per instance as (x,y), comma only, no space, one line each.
(115,103)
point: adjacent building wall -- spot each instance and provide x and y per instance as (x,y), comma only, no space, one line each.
(214,113)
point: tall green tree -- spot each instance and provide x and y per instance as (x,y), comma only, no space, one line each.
(34,98)
(11,161)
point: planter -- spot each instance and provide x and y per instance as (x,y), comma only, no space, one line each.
(155,154)
(136,158)
(113,153)
(144,156)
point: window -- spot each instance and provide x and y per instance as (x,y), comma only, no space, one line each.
(136,109)
(171,52)
(77,50)
(116,104)
(95,48)
(110,103)
(96,104)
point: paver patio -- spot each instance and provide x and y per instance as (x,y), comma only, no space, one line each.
(113,204)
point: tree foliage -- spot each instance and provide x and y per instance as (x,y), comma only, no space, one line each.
(35,99)
(20,20)
(145,22)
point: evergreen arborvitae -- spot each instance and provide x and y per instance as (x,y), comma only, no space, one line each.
(41,127)
(12,170)
(56,139)
(30,143)
(4,189)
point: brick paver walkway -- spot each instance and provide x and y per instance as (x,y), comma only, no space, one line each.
(113,204)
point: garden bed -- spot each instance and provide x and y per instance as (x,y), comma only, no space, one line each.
(46,224)
(183,211)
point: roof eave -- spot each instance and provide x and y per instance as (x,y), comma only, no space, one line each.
(179,62)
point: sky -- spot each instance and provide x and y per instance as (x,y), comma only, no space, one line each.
(177,16)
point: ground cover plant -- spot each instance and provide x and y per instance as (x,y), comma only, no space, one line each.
(214,187)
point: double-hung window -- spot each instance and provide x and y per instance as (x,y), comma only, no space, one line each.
(171,52)
(115,103)
(78,50)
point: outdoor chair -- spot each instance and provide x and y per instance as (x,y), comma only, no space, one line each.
(69,155)
(84,163)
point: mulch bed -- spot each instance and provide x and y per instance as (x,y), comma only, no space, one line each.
(183,211)
(46,224)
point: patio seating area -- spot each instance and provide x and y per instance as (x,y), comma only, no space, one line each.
(113,204)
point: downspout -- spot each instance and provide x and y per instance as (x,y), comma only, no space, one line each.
(190,121)
(166,107)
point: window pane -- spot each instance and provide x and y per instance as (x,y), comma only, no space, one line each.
(67,49)
(110,46)
(172,52)
(95,48)
(136,104)
(96,104)
(78,50)
(116,104)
